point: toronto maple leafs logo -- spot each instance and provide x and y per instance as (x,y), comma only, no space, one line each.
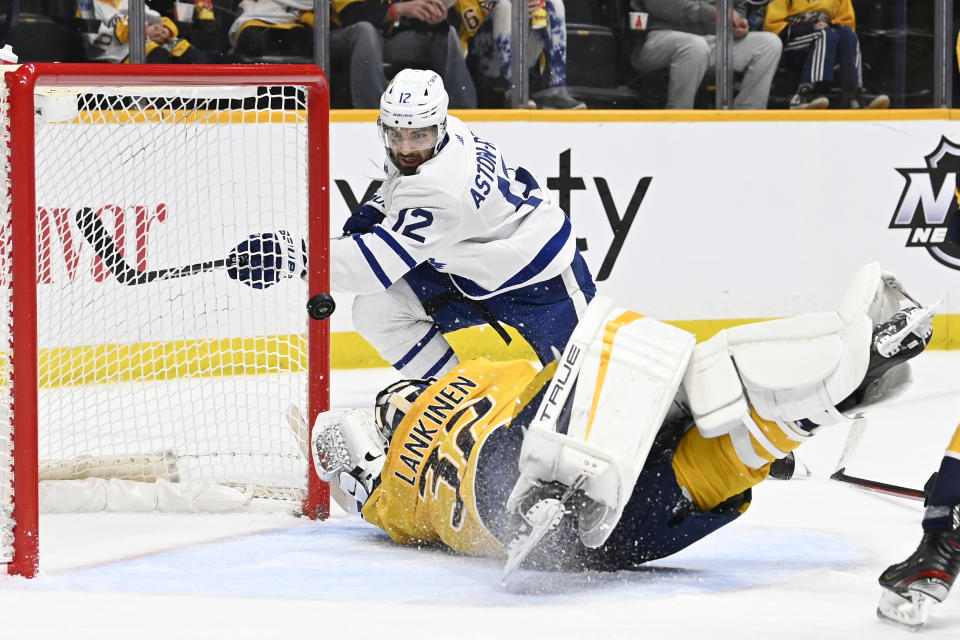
(928,204)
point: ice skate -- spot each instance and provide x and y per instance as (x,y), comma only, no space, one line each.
(922,580)
(904,335)
(895,341)
(549,503)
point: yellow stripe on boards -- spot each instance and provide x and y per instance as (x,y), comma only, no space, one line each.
(609,333)
(348,350)
(946,331)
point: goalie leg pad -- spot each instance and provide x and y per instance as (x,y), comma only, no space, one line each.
(792,369)
(783,371)
(614,384)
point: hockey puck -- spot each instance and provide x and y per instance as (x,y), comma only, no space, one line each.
(321,306)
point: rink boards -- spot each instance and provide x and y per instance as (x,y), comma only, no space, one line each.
(715,218)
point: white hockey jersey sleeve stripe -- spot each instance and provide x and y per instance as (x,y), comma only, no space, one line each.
(391,242)
(417,348)
(541,261)
(372,261)
(368,262)
(441,363)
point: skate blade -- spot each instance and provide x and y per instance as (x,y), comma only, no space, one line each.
(549,513)
(910,611)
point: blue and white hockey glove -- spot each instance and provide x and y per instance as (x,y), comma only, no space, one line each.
(264,259)
(362,220)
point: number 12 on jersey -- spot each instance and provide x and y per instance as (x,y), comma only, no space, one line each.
(418,219)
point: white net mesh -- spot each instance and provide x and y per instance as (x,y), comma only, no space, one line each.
(139,357)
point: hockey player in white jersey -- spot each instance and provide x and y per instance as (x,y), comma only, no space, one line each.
(455,237)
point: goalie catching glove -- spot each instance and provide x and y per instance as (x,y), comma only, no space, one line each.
(347,446)
(264,259)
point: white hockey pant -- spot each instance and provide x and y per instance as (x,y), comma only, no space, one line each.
(397,326)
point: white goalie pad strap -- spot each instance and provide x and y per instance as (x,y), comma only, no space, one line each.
(761,438)
(812,403)
(627,370)
(748,434)
(743,445)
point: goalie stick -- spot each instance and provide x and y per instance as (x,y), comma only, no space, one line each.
(96,234)
(853,440)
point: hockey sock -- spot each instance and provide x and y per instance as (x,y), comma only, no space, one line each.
(942,510)
(711,469)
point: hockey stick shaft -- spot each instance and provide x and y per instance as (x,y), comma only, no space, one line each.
(879,487)
(849,447)
(97,236)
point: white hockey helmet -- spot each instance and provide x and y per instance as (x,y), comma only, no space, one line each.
(414,99)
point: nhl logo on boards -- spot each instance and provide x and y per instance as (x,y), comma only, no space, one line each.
(929,203)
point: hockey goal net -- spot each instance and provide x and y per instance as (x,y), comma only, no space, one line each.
(161,230)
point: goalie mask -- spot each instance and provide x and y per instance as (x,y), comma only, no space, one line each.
(395,402)
(413,118)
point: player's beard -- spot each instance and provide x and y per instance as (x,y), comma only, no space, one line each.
(410,169)
(407,171)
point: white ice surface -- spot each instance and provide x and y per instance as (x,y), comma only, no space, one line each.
(801,563)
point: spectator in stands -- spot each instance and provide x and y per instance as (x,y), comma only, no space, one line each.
(273,27)
(359,48)
(817,35)
(110,41)
(486,31)
(285,28)
(681,37)
(197,22)
(416,34)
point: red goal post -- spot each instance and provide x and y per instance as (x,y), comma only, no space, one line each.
(220,169)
